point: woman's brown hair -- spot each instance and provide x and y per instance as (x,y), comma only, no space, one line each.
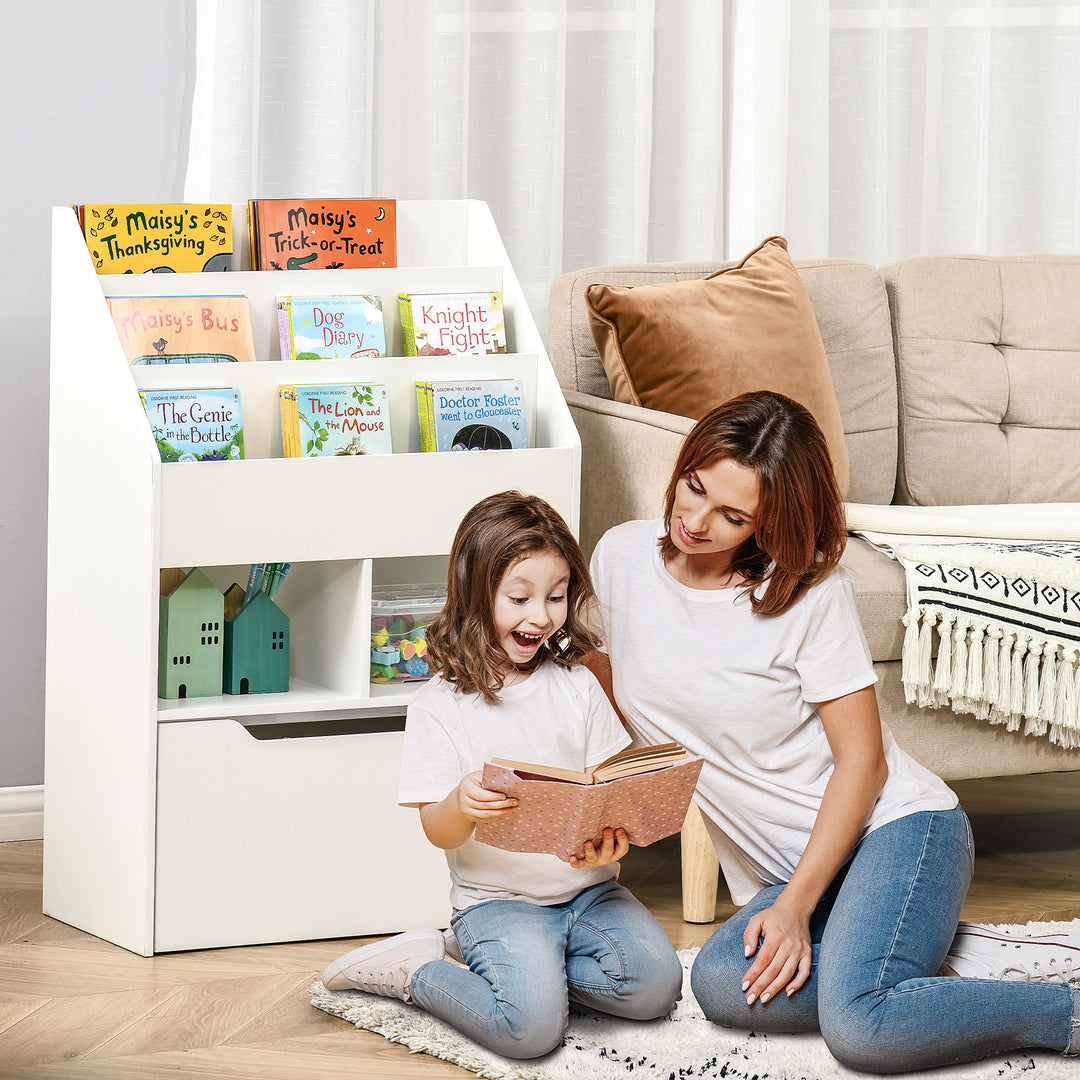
(494,535)
(800,530)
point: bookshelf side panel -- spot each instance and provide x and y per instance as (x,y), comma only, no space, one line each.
(101,618)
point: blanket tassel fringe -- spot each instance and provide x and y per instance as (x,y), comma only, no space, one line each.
(1006,678)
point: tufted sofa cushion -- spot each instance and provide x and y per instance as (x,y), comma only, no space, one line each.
(852,314)
(988,373)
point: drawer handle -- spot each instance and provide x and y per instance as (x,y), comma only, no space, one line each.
(320,729)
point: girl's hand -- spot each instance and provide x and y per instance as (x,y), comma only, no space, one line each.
(477,803)
(613,846)
(783,956)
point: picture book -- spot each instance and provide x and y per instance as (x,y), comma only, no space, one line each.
(486,414)
(334,419)
(330,327)
(644,790)
(196,425)
(183,329)
(452,324)
(180,238)
(321,234)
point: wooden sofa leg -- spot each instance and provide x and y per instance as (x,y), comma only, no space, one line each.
(700,870)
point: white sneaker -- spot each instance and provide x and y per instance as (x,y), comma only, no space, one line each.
(387,967)
(979,953)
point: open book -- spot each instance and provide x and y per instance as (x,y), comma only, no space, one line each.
(645,790)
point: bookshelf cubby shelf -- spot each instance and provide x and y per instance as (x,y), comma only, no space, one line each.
(179,824)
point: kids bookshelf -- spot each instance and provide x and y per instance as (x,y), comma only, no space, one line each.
(235,820)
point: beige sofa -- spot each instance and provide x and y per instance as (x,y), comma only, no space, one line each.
(958,380)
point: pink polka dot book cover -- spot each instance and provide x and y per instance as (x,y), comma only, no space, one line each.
(644,790)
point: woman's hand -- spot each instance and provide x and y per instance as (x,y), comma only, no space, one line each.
(613,846)
(781,941)
(477,803)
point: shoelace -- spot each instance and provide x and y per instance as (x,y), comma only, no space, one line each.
(1051,971)
(383,981)
(1038,971)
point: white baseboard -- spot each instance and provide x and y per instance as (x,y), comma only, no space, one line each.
(22,813)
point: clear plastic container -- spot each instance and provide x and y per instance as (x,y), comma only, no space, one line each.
(399,619)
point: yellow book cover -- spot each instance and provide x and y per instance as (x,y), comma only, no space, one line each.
(181,238)
(290,421)
(184,329)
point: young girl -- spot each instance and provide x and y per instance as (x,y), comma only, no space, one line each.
(534,932)
(851,859)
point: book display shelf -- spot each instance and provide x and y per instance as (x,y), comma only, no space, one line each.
(232,820)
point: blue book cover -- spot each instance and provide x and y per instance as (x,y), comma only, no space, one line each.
(196,425)
(330,327)
(483,414)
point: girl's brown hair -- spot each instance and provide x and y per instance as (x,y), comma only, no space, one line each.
(800,530)
(494,535)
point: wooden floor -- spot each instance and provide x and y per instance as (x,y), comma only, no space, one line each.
(72,1006)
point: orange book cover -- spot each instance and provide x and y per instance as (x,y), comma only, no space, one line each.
(559,810)
(321,234)
(184,329)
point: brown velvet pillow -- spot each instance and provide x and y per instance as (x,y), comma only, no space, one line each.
(685,346)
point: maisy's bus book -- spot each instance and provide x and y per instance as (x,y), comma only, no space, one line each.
(183,329)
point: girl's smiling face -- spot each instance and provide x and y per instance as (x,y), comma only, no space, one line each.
(715,509)
(530,605)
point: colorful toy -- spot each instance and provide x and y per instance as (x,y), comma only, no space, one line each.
(415,667)
(385,655)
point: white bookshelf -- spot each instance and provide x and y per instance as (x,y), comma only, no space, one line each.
(180,824)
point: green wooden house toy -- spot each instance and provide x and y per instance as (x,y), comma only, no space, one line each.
(191,618)
(256,657)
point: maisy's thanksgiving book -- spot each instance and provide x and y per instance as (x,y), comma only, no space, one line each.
(154,238)
(645,790)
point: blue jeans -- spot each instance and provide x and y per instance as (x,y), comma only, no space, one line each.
(527,962)
(879,936)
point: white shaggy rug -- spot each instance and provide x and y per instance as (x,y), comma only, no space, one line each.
(681,1046)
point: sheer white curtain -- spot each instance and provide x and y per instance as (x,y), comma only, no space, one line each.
(613,130)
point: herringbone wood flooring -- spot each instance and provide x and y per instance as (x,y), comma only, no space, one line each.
(75,1007)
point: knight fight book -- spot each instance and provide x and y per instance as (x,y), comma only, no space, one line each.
(452,324)
(196,425)
(321,234)
(181,238)
(645,790)
(330,327)
(334,419)
(184,329)
(484,414)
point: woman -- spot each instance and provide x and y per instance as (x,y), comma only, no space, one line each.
(851,860)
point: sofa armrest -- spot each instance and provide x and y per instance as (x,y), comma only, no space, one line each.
(627,454)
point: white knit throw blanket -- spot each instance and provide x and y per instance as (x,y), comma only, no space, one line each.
(1004,606)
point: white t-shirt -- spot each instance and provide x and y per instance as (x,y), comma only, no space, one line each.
(700,667)
(557,716)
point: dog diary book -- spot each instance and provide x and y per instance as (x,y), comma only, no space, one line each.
(644,790)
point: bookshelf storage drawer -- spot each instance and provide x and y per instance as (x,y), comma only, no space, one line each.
(282,839)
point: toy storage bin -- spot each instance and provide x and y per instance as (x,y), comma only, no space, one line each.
(239,861)
(399,619)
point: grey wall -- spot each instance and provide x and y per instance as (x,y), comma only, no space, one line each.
(97,101)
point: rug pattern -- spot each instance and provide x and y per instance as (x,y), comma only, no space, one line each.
(681,1046)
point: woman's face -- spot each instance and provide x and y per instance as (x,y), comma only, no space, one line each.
(715,508)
